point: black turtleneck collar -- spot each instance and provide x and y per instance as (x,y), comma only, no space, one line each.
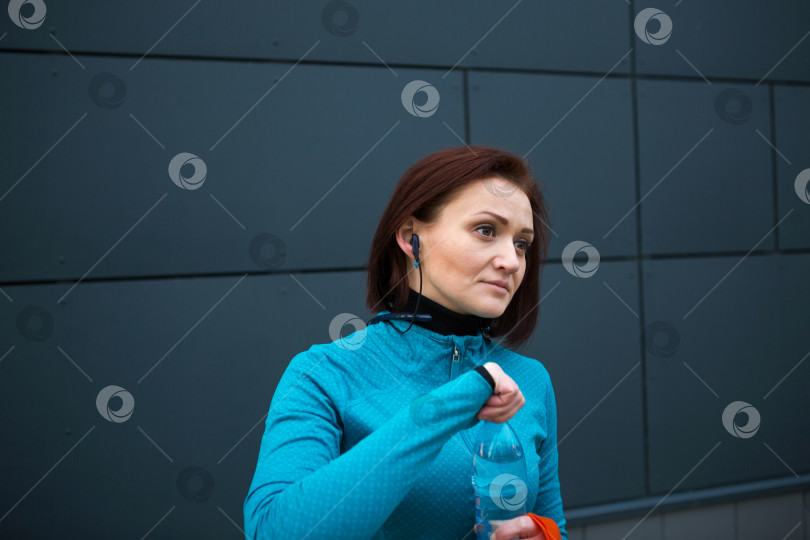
(443,320)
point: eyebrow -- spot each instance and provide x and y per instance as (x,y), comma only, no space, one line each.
(503,220)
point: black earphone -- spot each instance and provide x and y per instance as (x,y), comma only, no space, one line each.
(412,316)
(415,246)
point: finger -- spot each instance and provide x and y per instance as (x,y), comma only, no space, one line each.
(485,414)
(507,390)
(505,411)
(497,400)
(503,415)
(497,415)
(508,530)
(519,527)
(500,414)
(516,404)
(499,418)
(490,409)
(503,401)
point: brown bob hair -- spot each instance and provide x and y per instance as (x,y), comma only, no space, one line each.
(423,191)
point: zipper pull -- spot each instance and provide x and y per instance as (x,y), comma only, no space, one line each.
(455,354)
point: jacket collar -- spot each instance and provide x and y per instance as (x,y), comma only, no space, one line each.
(435,321)
(443,320)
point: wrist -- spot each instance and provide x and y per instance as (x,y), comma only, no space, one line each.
(484,372)
(490,367)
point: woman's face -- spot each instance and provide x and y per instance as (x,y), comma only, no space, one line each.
(468,248)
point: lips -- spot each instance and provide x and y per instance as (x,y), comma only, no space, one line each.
(500,283)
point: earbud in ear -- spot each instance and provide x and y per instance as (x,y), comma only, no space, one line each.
(415,246)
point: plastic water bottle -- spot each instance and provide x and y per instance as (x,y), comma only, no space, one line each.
(498,478)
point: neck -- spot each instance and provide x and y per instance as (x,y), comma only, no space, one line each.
(444,321)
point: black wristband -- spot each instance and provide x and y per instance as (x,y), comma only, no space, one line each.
(485,374)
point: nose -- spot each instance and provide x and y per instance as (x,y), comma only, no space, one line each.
(507,257)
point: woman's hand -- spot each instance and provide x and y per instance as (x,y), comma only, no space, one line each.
(519,527)
(506,399)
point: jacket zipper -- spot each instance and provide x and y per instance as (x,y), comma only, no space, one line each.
(465,434)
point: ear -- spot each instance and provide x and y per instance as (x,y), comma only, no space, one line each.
(403,237)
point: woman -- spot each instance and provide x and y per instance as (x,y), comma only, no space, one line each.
(371,436)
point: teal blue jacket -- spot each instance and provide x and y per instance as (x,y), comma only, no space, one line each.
(371,437)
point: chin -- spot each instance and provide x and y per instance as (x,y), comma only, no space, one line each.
(491,310)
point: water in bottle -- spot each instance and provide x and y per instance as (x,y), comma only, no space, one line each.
(498,477)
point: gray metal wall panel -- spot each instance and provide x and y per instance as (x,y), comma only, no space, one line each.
(721,332)
(711,522)
(706,172)
(781,516)
(578,134)
(731,39)
(792,120)
(806,497)
(588,339)
(313,164)
(648,529)
(575,36)
(218,347)
(85,192)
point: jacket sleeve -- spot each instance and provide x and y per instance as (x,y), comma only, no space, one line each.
(549,500)
(303,487)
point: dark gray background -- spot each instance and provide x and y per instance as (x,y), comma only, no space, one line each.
(172,305)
